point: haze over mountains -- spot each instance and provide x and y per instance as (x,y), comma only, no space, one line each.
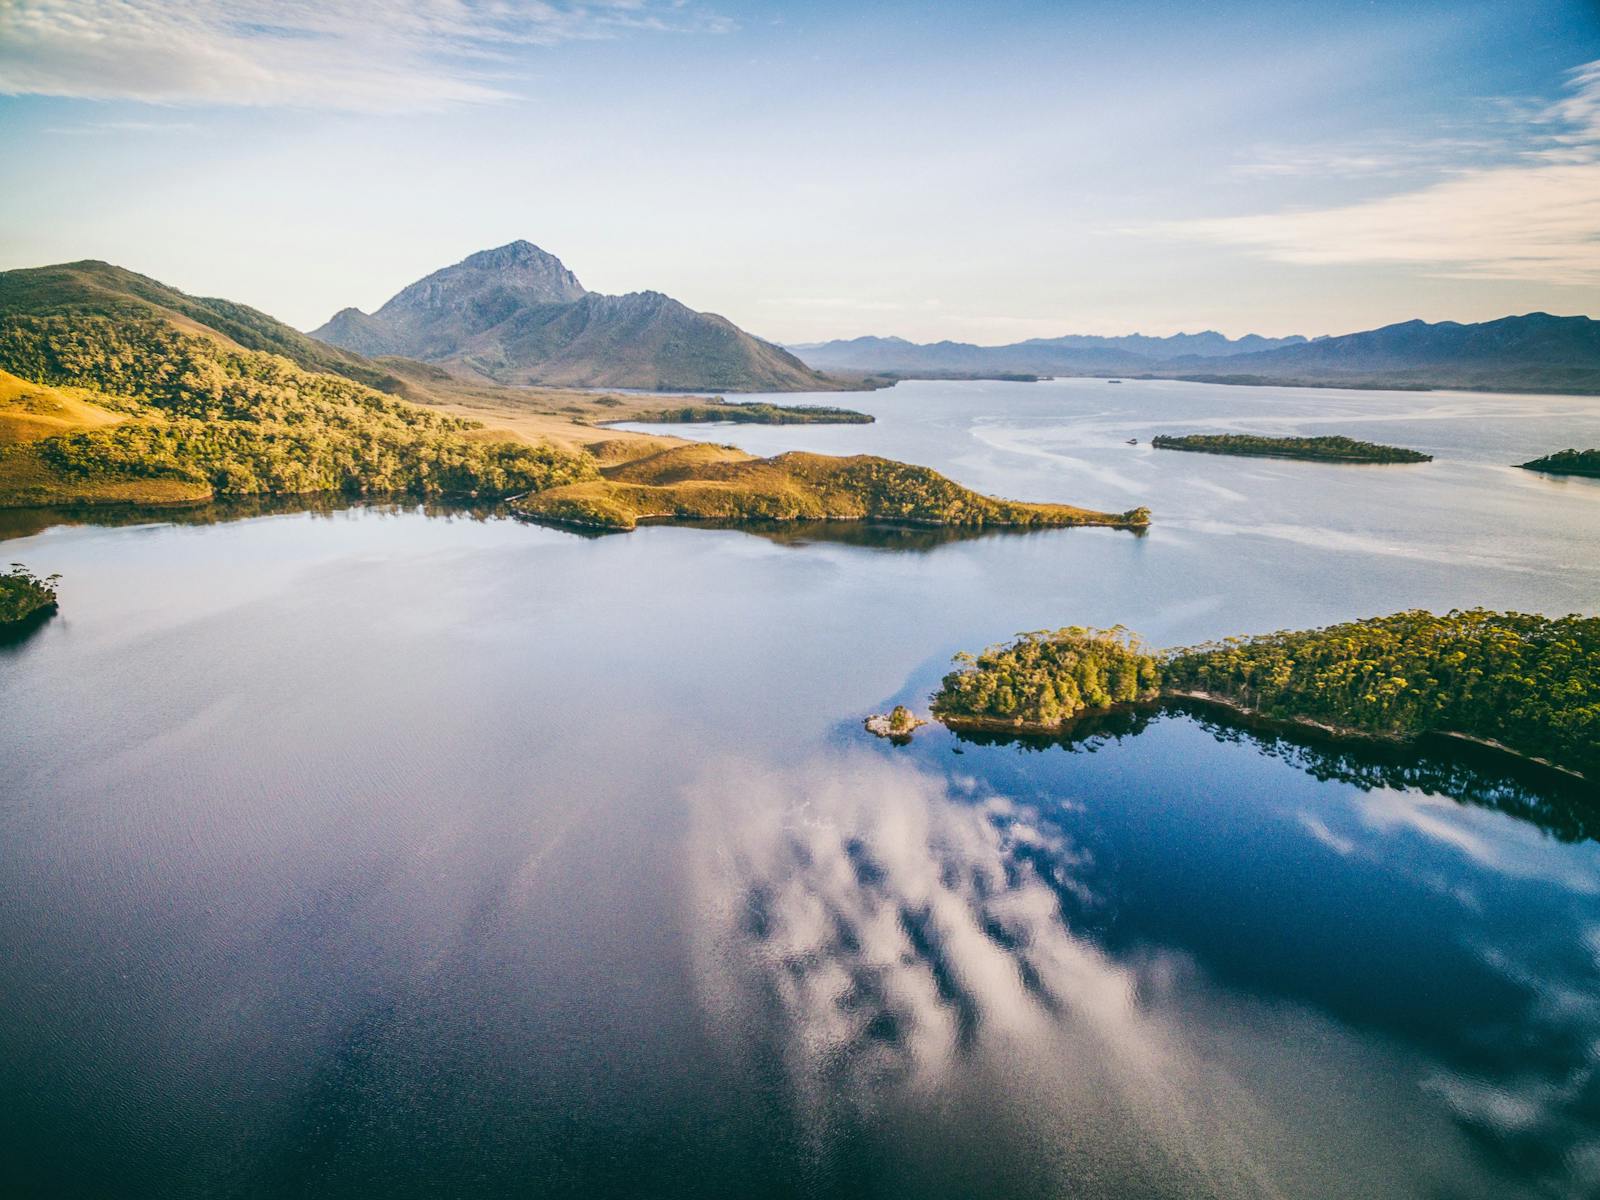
(1536,353)
(1043,356)
(517,315)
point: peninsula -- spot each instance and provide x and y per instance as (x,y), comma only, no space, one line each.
(1522,683)
(1317,449)
(116,389)
(754,413)
(24,595)
(1567,462)
(702,482)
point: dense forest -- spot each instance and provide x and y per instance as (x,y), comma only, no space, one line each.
(1320,449)
(24,594)
(1528,682)
(1045,678)
(251,423)
(1567,462)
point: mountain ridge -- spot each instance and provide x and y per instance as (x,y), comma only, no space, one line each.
(1532,352)
(515,314)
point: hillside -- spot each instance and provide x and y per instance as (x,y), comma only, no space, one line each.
(517,315)
(98,289)
(117,389)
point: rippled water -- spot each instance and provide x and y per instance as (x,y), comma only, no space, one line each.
(377,852)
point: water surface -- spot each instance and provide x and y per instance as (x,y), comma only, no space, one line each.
(373,851)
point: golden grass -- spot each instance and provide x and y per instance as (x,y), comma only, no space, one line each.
(31,411)
(698,481)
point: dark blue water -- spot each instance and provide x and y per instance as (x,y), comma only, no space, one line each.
(373,852)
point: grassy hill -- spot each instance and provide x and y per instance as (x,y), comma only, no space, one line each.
(97,289)
(117,389)
(719,483)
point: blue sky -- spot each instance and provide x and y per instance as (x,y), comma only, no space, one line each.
(983,172)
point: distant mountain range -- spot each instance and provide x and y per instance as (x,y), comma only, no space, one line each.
(1532,353)
(517,315)
(1038,356)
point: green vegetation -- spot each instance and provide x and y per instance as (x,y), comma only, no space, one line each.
(753,414)
(703,482)
(1567,462)
(1319,449)
(98,289)
(1527,683)
(1043,679)
(231,422)
(24,594)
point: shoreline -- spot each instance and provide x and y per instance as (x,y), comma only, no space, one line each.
(1305,726)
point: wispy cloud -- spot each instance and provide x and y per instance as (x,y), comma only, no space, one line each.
(356,55)
(1533,215)
(107,127)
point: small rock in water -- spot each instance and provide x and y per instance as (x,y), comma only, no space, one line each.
(897,725)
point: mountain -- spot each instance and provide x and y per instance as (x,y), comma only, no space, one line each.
(98,289)
(517,315)
(1073,354)
(1533,353)
(1536,352)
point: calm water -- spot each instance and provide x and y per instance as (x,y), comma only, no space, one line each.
(373,852)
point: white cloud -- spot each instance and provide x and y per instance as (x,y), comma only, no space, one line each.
(1534,216)
(355,55)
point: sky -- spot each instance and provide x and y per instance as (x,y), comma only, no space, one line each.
(982,172)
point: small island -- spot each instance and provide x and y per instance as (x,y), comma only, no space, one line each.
(25,596)
(1567,462)
(755,413)
(897,725)
(1316,449)
(1520,683)
(703,482)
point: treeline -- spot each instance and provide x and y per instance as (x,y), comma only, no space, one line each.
(1335,448)
(1528,682)
(250,423)
(24,594)
(1567,462)
(754,414)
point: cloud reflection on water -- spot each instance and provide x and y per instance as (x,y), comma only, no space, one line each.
(898,941)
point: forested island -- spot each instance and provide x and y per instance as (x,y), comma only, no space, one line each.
(116,389)
(24,595)
(1567,462)
(1520,682)
(1318,449)
(755,413)
(701,482)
